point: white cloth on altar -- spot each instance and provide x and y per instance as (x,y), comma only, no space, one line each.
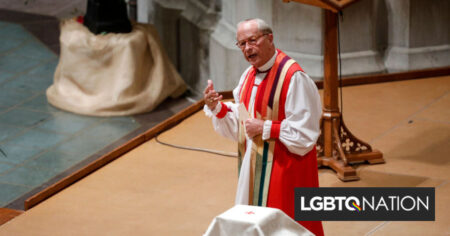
(245,220)
(112,74)
(298,132)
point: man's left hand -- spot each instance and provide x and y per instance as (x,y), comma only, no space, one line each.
(254,127)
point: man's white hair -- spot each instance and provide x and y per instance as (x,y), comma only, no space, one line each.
(263,27)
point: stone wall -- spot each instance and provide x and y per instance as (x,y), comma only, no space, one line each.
(376,36)
(419,34)
(185,28)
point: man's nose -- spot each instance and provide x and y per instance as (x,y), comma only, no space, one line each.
(247,47)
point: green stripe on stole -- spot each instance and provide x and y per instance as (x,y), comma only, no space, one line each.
(259,164)
(263,174)
(240,155)
(268,172)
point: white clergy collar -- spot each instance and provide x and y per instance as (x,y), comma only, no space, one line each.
(269,63)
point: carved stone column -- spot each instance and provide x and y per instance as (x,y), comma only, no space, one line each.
(419,34)
(184,27)
(359,53)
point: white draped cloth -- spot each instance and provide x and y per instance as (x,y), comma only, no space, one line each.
(298,132)
(112,74)
(251,221)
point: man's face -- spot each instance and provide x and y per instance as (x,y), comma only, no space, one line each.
(256,47)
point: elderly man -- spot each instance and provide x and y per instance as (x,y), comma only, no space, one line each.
(277,144)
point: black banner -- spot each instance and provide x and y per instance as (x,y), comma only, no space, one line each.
(365,204)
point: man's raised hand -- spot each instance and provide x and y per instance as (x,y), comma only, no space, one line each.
(211,96)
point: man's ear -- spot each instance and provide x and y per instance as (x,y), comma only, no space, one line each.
(270,36)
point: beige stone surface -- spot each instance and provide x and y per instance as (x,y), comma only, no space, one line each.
(371,110)
(437,111)
(419,148)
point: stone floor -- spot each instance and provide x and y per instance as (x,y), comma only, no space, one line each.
(40,144)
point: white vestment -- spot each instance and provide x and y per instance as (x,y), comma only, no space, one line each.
(298,132)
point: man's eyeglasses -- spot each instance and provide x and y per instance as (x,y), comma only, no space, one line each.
(251,41)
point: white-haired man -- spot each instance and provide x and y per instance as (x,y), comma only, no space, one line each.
(277,144)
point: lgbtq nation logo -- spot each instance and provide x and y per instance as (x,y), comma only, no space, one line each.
(365,204)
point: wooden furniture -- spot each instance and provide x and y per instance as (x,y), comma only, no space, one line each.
(337,147)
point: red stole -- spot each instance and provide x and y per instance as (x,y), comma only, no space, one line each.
(276,172)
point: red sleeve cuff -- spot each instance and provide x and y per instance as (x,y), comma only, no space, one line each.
(223,111)
(275,129)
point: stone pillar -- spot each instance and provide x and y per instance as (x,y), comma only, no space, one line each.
(166,17)
(184,27)
(298,30)
(196,25)
(358,25)
(419,34)
(144,11)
